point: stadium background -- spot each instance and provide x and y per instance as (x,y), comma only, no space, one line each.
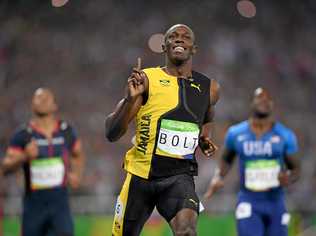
(84,51)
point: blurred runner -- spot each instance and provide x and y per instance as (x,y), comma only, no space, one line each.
(51,156)
(266,150)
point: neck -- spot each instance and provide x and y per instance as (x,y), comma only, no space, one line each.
(46,122)
(182,70)
(261,125)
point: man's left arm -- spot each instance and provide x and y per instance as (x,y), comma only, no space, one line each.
(291,160)
(77,161)
(293,165)
(205,143)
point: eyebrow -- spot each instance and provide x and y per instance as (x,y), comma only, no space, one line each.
(175,32)
(189,32)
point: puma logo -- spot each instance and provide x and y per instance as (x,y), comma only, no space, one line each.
(191,200)
(197,86)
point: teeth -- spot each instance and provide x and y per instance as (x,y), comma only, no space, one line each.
(179,49)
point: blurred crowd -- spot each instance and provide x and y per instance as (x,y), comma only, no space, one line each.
(85,51)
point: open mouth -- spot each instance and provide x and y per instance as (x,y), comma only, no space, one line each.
(179,49)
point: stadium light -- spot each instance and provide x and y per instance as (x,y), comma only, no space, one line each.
(246,8)
(155,42)
(59,3)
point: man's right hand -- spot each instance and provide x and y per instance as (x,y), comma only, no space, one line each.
(31,150)
(15,158)
(215,184)
(136,82)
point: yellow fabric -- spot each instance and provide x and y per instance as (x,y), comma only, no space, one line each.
(117,227)
(163,96)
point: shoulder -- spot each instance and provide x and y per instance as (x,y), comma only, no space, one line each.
(283,130)
(199,75)
(21,136)
(238,128)
(152,74)
(23,130)
(208,83)
(203,77)
(69,133)
(64,125)
(151,70)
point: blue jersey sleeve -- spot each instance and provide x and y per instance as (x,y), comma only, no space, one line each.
(291,146)
(229,140)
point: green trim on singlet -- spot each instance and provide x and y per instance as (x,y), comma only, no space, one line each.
(47,161)
(181,126)
(261,164)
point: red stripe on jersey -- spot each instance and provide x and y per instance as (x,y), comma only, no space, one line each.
(16,148)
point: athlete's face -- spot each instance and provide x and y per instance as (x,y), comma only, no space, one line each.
(262,103)
(179,44)
(43,102)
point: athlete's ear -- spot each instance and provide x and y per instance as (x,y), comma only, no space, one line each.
(272,105)
(194,49)
(164,49)
(55,107)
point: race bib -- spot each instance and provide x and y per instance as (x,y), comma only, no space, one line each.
(47,173)
(262,175)
(243,211)
(177,138)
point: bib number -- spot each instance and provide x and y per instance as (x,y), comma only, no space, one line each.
(262,175)
(47,173)
(177,138)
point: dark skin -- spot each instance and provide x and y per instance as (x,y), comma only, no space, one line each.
(261,121)
(179,47)
(44,109)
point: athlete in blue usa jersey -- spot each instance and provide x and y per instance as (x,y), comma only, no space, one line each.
(51,156)
(266,150)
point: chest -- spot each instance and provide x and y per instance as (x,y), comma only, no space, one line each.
(269,146)
(54,146)
(182,97)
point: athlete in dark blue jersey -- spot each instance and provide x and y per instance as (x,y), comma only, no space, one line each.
(51,156)
(266,150)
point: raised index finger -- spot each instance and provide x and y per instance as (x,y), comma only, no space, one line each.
(139,63)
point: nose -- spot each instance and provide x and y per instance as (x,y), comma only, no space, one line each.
(179,40)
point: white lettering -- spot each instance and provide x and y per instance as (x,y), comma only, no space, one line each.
(257,148)
(177,144)
(55,141)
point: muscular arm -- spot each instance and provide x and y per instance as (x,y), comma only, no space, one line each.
(12,161)
(117,122)
(205,142)
(214,97)
(226,162)
(292,163)
(14,158)
(77,165)
(78,159)
(290,172)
